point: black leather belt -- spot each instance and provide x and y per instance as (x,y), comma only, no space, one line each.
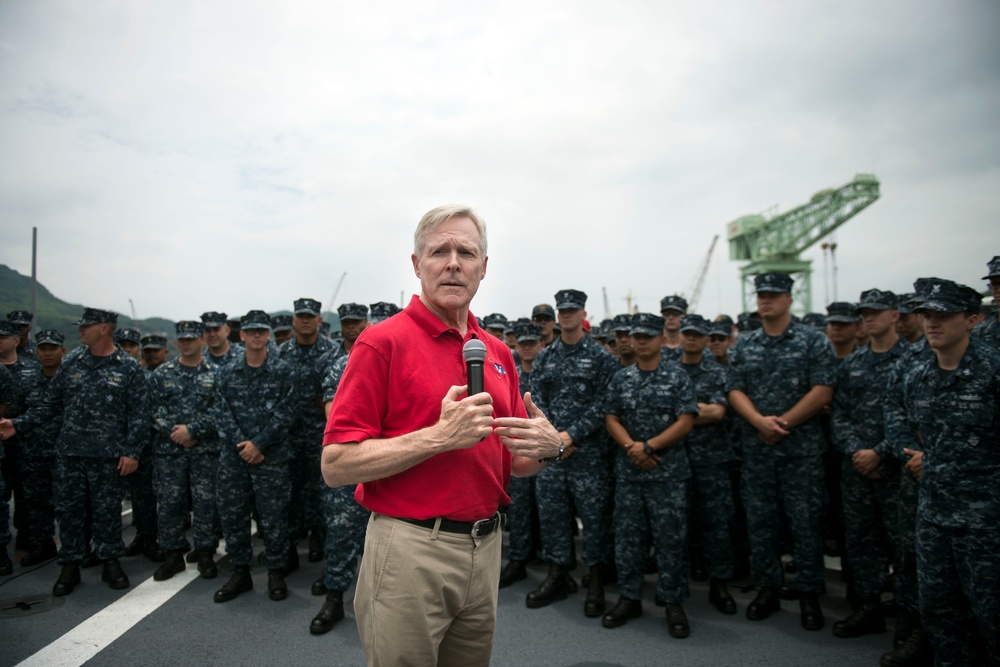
(480,528)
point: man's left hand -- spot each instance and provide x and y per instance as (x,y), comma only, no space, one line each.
(532,438)
(127,465)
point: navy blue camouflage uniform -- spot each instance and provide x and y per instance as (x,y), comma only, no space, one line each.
(522,499)
(776,373)
(39,462)
(346,520)
(183,395)
(571,381)
(955,416)
(305,437)
(710,452)
(103,404)
(870,506)
(256,405)
(6,397)
(651,501)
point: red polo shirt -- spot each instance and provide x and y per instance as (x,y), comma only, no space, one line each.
(399,371)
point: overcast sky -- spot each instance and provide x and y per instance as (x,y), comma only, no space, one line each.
(197,156)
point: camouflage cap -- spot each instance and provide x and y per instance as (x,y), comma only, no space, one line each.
(608,324)
(153,342)
(649,324)
(570,298)
(525,331)
(213,319)
(188,329)
(724,319)
(543,310)
(324,329)
(494,321)
(773,282)
(745,322)
(946,296)
(308,307)
(906,302)
(721,328)
(876,299)
(96,316)
(600,333)
(622,323)
(50,337)
(255,319)
(992,266)
(696,323)
(352,311)
(281,322)
(383,310)
(131,335)
(842,311)
(9,329)
(814,320)
(21,317)
(674,302)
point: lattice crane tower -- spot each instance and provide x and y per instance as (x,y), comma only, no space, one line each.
(776,243)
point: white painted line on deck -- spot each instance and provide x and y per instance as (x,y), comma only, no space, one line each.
(92,636)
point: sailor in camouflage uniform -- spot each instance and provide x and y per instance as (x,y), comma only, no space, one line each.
(571,376)
(522,511)
(988,331)
(255,408)
(6,396)
(219,351)
(302,353)
(282,329)
(128,340)
(869,474)
(346,520)
(39,461)
(672,308)
(22,319)
(780,377)
(182,395)
(353,320)
(620,327)
(710,452)
(649,409)
(12,464)
(101,393)
(954,402)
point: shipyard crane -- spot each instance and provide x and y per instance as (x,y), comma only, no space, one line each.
(699,278)
(607,306)
(776,243)
(336,290)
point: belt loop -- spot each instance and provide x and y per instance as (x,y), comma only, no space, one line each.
(436,529)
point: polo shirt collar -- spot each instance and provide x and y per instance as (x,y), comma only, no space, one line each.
(433,325)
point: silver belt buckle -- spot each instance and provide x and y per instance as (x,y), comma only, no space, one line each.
(479,524)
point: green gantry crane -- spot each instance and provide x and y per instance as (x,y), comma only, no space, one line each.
(776,243)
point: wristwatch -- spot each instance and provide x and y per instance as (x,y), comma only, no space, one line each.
(647,449)
(553,459)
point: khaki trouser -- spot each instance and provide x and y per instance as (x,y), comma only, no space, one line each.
(426,597)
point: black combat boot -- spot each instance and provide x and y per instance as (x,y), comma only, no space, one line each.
(316,547)
(239,582)
(513,571)
(766,603)
(319,586)
(151,549)
(331,612)
(173,563)
(915,651)
(555,587)
(904,625)
(113,575)
(69,577)
(623,610)
(677,621)
(718,595)
(594,605)
(811,613)
(206,565)
(276,588)
(867,619)
(292,564)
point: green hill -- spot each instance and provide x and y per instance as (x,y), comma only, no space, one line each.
(54,313)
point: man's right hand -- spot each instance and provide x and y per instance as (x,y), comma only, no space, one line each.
(7,430)
(771,429)
(464,422)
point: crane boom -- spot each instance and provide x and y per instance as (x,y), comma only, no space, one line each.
(336,290)
(699,277)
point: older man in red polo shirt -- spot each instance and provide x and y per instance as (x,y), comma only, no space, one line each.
(432,464)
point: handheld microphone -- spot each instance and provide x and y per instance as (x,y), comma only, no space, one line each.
(474,353)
